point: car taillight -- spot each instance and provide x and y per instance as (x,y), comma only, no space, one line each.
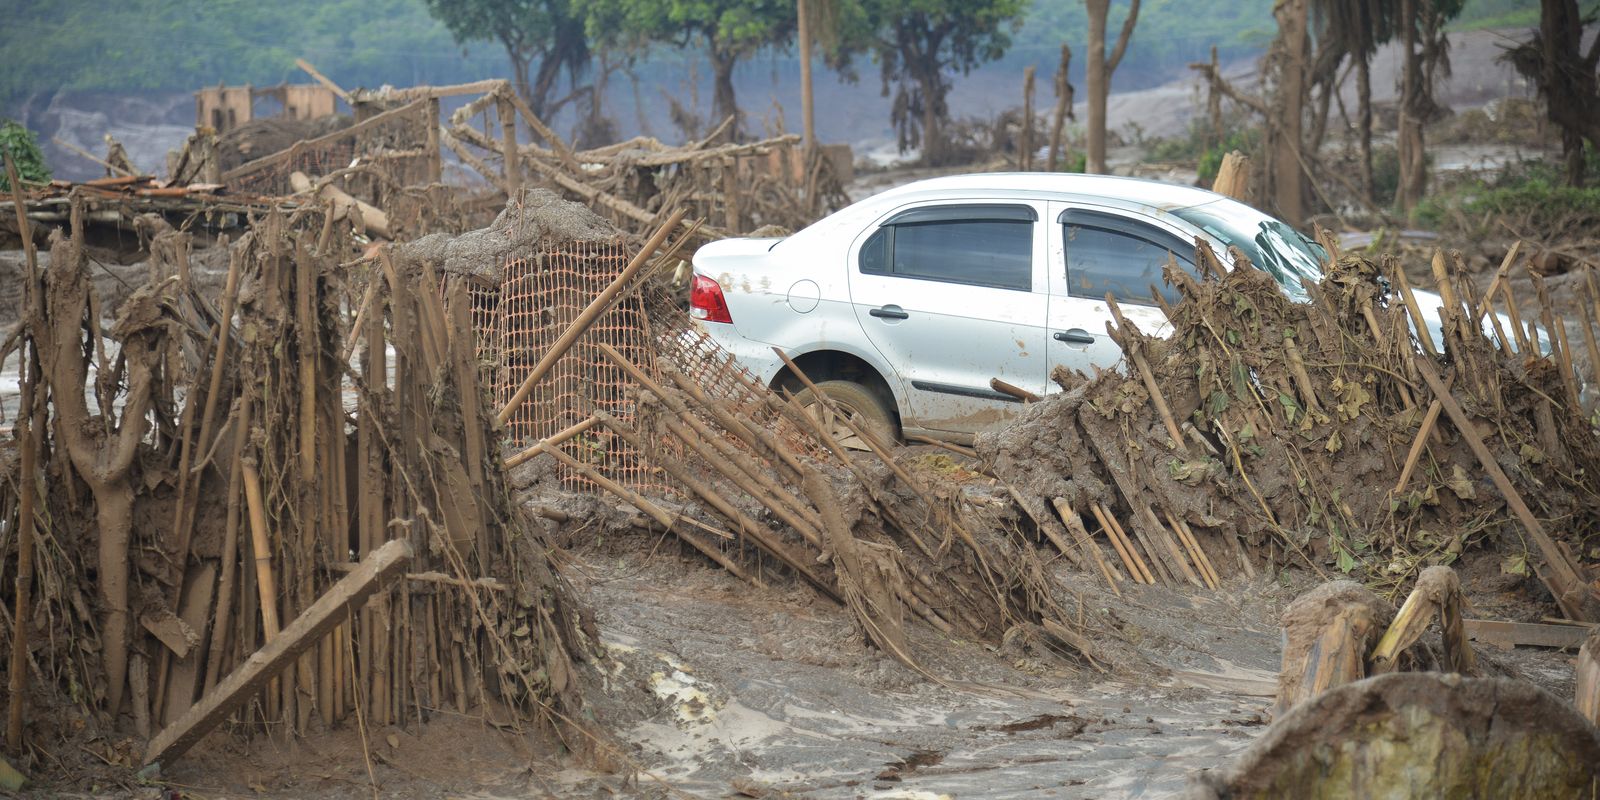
(706,302)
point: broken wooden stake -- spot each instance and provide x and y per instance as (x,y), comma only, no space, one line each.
(1015,391)
(349,594)
(1438,590)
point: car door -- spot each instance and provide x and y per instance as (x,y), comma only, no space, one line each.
(1095,251)
(952,295)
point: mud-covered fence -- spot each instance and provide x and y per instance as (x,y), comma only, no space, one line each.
(201,476)
(391,149)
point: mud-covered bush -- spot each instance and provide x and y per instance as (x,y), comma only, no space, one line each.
(23,147)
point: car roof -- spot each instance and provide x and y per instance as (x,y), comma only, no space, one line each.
(1056,184)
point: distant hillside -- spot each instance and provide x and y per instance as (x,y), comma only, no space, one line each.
(80,69)
(92,45)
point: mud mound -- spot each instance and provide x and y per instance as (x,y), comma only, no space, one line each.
(541,214)
(1420,735)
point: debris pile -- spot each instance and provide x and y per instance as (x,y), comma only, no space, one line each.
(732,187)
(864,532)
(203,499)
(1264,430)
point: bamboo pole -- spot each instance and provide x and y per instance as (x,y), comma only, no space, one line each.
(550,442)
(1201,561)
(28,420)
(1517,329)
(655,512)
(1418,322)
(1590,344)
(263,549)
(1114,531)
(747,527)
(1570,590)
(230,547)
(1136,352)
(757,437)
(307,628)
(1418,445)
(1122,548)
(508,146)
(1499,278)
(1075,525)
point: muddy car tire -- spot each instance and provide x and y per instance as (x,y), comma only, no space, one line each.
(865,408)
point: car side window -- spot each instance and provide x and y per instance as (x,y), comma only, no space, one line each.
(988,245)
(1109,253)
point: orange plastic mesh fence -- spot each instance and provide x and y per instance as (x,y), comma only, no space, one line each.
(681,344)
(540,294)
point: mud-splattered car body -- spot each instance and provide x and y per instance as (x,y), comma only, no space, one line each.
(924,293)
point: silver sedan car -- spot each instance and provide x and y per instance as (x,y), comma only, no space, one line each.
(903,307)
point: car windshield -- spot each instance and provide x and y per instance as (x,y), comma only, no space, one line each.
(1269,244)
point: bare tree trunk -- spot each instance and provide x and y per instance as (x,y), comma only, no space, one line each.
(1567,78)
(1025,143)
(1214,100)
(1100,69)
(1097,79)
(723,102)
(1364,120)
(114,514)
(807,108)
(519,80)
(1063,109)
(101,452)
(933,143)
(1410,143)
(1288,179)
(1572,148)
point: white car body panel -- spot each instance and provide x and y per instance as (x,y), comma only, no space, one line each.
(807,294)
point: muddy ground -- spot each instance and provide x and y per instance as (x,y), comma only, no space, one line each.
(714,688)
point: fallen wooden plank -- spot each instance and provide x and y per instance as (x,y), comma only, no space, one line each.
(349,594)
(1506,635)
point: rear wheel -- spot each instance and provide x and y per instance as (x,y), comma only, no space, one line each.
(856,402)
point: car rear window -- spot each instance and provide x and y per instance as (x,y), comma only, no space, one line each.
(994,252)
(1110,254)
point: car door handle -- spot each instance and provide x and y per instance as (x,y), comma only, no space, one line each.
(889,312)
(1075,336)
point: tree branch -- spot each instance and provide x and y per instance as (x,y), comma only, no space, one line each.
(1122,38)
